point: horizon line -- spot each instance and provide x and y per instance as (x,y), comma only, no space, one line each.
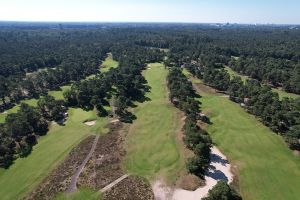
(145,22)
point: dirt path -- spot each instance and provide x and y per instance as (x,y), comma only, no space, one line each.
(72,187)
(112,184)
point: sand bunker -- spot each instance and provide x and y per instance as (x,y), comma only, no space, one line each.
(90,123)
(219,170)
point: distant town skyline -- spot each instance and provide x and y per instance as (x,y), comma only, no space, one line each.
(192,11)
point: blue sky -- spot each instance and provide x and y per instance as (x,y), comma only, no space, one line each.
(233,11)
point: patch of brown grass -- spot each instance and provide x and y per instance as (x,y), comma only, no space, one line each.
(131,188)
(190,182)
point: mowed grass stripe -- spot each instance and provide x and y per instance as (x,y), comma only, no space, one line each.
(267,169)
(152,148)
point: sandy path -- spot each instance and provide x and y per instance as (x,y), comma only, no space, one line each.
(112,184)
(72,187)
(219,170)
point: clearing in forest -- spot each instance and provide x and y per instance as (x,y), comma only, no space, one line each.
(152,148)
(266,168)
(108,63)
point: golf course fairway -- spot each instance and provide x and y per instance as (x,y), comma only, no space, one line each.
(151,145)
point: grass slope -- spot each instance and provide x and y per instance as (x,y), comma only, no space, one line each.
(267,169)
(151,144)
(26,173)
(108,63)
(280,92)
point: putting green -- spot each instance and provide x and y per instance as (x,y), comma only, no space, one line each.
(151,145)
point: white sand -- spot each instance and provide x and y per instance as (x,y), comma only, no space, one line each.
(90,123)
(219,170)
(161,190)
(114,120)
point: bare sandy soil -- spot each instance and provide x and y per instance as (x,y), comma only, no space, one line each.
(90,123)
(114,121)
(219,170)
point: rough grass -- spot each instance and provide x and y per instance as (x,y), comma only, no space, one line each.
(151,145)
(280,92)
(27,172)
(81,194)
(267,169)
(108,63)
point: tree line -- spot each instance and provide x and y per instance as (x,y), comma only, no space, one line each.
(182,95)
(272,71)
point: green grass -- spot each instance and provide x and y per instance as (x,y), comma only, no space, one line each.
(233,73)
(58,94)
(81,194)
(188,74)
(108,63)
(26,173)
(151,145)
(267,169)
(283,94)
